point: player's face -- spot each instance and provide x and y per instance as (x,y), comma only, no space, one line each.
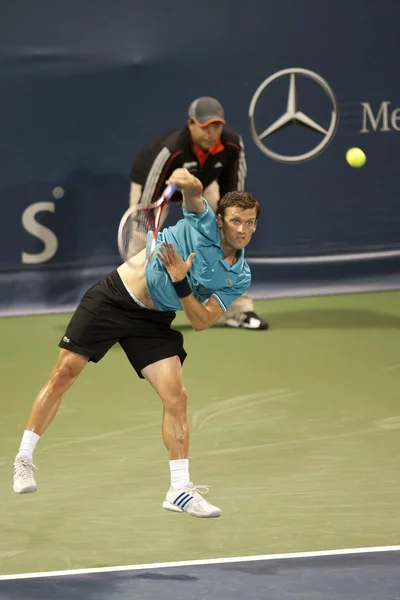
(237,226)
(205,137)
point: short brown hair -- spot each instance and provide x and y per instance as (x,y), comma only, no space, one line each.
(243,200)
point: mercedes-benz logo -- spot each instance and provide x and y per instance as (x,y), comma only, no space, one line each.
(293,114)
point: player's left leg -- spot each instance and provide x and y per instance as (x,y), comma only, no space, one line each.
(166,378)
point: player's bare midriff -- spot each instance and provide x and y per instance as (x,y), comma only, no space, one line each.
(133,275)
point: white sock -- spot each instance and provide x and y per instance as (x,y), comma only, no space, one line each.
(179,473)
(29,441)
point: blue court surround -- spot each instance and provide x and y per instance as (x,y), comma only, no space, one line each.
(347,575)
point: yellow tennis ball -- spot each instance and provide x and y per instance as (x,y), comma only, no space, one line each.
(356,157)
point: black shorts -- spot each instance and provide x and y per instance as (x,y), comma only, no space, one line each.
(107,314)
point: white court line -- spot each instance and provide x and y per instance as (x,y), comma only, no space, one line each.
(211,561)
(324,258)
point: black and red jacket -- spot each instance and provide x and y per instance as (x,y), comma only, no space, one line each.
(224,163)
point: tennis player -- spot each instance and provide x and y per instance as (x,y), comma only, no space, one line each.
(135,306)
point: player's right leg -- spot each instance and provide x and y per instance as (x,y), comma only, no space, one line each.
(45,406)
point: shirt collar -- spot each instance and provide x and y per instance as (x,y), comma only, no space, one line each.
(202,156)
(238,266)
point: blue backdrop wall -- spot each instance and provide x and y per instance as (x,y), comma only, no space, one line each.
(85,84)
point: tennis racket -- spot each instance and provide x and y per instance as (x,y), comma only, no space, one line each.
(137,221)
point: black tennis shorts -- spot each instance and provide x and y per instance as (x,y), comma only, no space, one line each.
(107,314)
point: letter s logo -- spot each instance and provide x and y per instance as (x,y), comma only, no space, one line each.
(39,231)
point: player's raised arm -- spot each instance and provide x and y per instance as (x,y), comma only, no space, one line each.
(191,188)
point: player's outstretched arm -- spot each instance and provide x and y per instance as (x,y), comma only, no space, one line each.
(201,317)
(191,188)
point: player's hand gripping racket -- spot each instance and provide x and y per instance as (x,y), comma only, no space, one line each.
(137,221)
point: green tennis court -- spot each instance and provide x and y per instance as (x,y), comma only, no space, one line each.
(297,430)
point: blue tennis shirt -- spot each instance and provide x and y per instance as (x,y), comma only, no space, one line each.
(210,274)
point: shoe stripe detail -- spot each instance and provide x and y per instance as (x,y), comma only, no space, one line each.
(178,498)
(182,501)
(186,502)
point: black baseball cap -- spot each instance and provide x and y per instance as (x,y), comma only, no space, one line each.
(206,110)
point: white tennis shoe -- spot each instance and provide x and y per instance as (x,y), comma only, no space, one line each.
(23,480)
(190,500)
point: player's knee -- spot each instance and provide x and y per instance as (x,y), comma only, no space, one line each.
(66,371)
(176,402)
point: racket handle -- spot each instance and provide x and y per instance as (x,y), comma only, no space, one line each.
(170,191)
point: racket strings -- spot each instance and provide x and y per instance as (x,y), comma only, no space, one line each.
(133,236)
(137,222)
